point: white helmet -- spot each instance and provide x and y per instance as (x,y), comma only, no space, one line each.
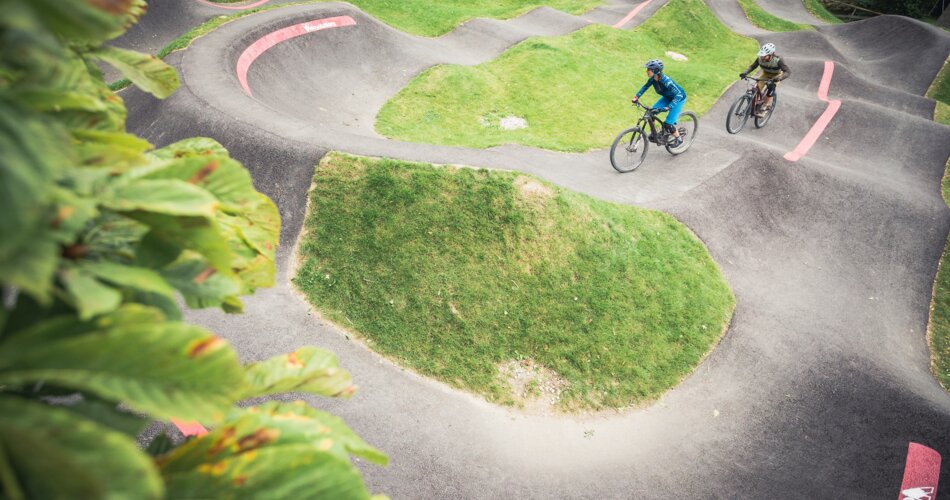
(767,50)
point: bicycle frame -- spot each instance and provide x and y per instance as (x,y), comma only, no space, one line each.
(649,117)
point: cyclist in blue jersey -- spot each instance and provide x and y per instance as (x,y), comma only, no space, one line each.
(672,98)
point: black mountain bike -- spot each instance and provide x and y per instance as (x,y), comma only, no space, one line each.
(630,147)
(748,104)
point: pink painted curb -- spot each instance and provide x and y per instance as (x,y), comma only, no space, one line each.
(819,127)
(190,428)
(921,473)
(235,7)
(633,13)
(264,43)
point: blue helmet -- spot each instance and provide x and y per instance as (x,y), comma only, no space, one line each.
(654,65)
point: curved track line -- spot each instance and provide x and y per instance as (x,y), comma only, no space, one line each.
(633,13)
(190,428)
(816,130)
(263,44)
(235,7)
(921,473)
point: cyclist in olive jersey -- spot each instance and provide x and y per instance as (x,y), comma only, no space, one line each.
(773,68)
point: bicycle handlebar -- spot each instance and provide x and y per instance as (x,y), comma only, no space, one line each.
(759,79)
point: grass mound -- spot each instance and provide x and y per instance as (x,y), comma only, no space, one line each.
(424,17)
(818,10)
(572,90)
(766,21)
(458,273)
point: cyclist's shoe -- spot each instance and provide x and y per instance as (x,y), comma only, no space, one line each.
(763,111)
(675,142)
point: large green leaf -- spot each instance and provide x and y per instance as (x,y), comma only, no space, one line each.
(166,369)
(278,450)
(309,369)
(148,72)
(35,153)
(199,283)
(89,296)
(52,452)
(165,197)
(114,150)
(135,278)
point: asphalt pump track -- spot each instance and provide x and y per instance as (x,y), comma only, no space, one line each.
(823,377)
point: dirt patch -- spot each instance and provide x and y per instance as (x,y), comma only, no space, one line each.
(534,388)
(531,189)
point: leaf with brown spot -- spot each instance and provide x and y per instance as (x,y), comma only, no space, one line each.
(204,172)
(260,438)
(205,346)
(309,369)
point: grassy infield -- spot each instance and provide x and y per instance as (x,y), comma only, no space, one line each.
(458,272)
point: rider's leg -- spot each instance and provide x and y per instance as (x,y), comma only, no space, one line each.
(673,117)
(769,94)
(662,103)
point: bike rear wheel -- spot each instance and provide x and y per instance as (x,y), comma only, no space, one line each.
(688,126)
(628,150)
(761,121)
(738,114)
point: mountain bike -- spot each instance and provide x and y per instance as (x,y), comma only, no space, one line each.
(630,147)
(747,104)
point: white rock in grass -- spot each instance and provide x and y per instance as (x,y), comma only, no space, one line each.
(676,56)
(513,123)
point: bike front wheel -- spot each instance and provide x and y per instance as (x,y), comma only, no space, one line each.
(738,114)
(761,121)
(688,126)
(629,150)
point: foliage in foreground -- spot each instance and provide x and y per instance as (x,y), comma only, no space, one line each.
(574,91)
(455,272)
(99,236)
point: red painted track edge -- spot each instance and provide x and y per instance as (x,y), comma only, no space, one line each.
(819,127)
(633,13)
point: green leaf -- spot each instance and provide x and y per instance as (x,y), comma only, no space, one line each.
(309,369)
(148,72)
(190,148)
(199,283)
(160,445)
(277,449)
(166,369)
(90,297)
(54,453)
(35,152)
(114,150)
(166,197)
(135,278)
(86,21)
(108,414)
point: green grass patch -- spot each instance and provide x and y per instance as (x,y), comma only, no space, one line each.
(573,90)
(939,333)
(436,18)
(766,21)
(940,91)
(818,10)
(455,272)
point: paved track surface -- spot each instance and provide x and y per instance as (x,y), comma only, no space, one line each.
(823,377)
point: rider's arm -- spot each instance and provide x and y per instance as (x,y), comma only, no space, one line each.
(785,71)
(644,88)
(750,69)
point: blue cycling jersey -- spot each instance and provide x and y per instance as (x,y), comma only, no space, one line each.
(667,88)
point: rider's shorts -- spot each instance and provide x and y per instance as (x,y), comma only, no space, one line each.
(768,76)
(675,111)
